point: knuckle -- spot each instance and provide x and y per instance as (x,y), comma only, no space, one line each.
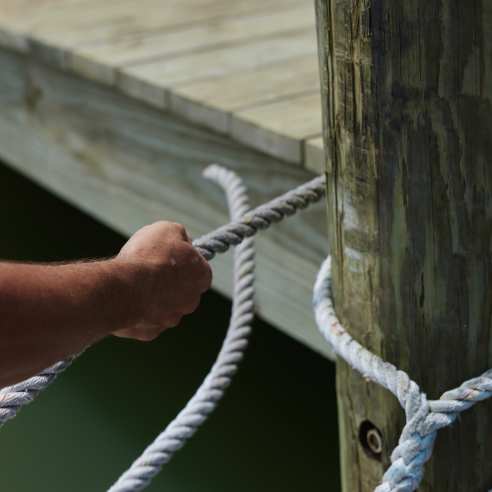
(172,319)
(148,335)
(205,276)
(191,306)
(175,319)
(167,227)
(126,333)
(161,224)
(189,252)
(179,229)
(145,331)
(208,274)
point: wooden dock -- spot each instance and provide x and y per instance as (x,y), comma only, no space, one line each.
(117,106)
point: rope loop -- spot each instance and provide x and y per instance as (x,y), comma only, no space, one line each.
(423,418)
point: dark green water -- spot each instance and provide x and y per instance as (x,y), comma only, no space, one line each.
(275,430)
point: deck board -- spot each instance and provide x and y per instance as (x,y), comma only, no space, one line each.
(180,54)
(100,60)
(280,128)
(219,62)
(118,105)
(213,101)
(314,155)
(64,24)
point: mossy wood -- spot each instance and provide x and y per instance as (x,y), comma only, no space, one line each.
(407,101)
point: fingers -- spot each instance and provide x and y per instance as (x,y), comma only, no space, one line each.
(200,279)
(172,320)
(148,332)
(195,272)
(139,333)
(178,229)
(206,278)
(171,276)
(191,306)
(152,241)
(167,229)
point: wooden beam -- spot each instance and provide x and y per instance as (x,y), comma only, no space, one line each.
(407,100)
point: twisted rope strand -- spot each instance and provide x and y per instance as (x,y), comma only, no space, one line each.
(206,398)
(424,418)
(13,398)
(261,218)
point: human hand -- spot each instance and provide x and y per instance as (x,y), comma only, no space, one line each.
(168,277)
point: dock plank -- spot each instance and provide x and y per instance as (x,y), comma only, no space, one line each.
(215,63)
(280,128)
(100,60)
(314,155)
(211,102)
(60,25)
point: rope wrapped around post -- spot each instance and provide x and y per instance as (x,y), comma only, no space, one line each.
(423,418)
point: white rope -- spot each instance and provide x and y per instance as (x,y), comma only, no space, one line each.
(423,418)
(205,400)
(13,398)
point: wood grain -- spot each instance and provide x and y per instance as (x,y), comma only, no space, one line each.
(99,60)
(206,60)
(212,102)
(279,128)
(218,62)
(407,99)
(314,153)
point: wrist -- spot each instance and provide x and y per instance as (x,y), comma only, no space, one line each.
(129,284)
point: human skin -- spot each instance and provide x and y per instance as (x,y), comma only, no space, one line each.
(51,311)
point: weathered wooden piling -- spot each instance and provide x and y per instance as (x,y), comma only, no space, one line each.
(407,101)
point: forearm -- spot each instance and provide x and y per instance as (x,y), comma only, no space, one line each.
(48,312)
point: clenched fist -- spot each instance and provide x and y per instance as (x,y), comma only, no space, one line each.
(169,276)
(51,311)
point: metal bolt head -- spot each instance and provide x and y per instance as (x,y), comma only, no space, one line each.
(371,440)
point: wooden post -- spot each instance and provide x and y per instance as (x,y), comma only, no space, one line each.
(407,100)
